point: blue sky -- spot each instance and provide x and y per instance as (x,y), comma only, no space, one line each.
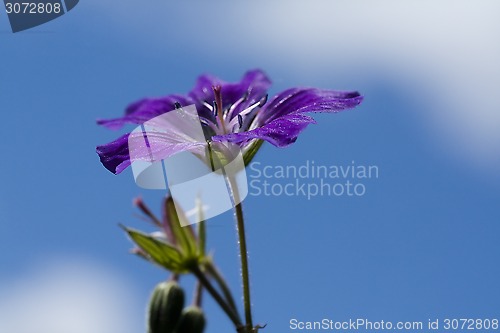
(421,243)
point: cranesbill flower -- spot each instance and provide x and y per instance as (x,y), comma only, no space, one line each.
(239,113)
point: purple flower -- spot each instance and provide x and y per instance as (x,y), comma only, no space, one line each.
(239,113)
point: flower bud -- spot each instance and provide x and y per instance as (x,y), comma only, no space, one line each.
(192,320)
(165,307)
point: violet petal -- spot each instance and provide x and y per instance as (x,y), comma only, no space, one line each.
(280,132)
(145,109)
(300,100)
(115,155)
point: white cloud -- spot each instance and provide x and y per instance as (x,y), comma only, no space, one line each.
(67,297)
(448,51)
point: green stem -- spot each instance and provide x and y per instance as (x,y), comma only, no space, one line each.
(215,273)
(243,252)
(217,297)
(238,212)
(198,294)
(244,265)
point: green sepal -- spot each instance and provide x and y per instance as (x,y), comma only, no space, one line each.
(160,252)
(251,150)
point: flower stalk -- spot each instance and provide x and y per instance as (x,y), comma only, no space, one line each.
(226,292)
(231,313)
(240,228)
(244,265)
(198,294)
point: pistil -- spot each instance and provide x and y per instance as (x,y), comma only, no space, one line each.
(218,107)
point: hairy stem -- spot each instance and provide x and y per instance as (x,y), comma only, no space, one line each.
(244,265)
(240,226)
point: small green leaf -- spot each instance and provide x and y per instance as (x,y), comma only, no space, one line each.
(160,252)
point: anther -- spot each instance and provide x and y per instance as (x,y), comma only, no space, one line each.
(263,100)
(228,109)
(215,109)
(208,106)
(240,120)
(245,95)
(177,105)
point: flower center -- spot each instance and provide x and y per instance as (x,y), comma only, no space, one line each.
(226,121)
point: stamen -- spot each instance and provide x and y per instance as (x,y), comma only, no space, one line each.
(226,111)
(208,123)
(208,106)
(247,111)
(177,105)
(214,110)
(204,121)
(251,108)
(240,120)
(236,104)
(245,96)
(263,100)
